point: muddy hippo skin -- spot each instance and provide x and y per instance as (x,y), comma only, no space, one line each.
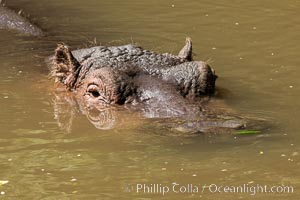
(11,20)
(79,69)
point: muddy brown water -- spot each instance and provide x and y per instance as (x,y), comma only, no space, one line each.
(254,47)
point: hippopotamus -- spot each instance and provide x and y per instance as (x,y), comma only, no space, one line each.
(81,71)
(11,20)
(153,84)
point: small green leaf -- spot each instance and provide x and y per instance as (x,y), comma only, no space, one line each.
(247,132)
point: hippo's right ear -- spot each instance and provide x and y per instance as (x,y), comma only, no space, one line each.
(65,66)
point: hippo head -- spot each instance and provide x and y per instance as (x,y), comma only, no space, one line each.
(93,84)
(108,75)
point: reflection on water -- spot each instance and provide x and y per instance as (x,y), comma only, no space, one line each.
(253,47)
(196,118)
(66,107)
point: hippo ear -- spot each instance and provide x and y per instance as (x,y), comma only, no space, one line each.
(65,66)
(186,52)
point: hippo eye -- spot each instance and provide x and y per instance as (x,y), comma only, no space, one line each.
(95,93)
(93,90)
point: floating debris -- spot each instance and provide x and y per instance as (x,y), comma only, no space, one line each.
(5,97)
(42,170)
(254,28)
(283,155)
(164,169)
(261,152)
(172,5)
(3,182)
(78,155)
(73,180)
(224,170)
(2,193)
(291,86)
(9,160)
(194,175)
(295,153)
(181,169)
(214,48)
(236,23)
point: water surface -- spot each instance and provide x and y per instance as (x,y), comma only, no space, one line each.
(253,46)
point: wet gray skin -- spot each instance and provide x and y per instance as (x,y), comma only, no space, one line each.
(11,20)
(191,78)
